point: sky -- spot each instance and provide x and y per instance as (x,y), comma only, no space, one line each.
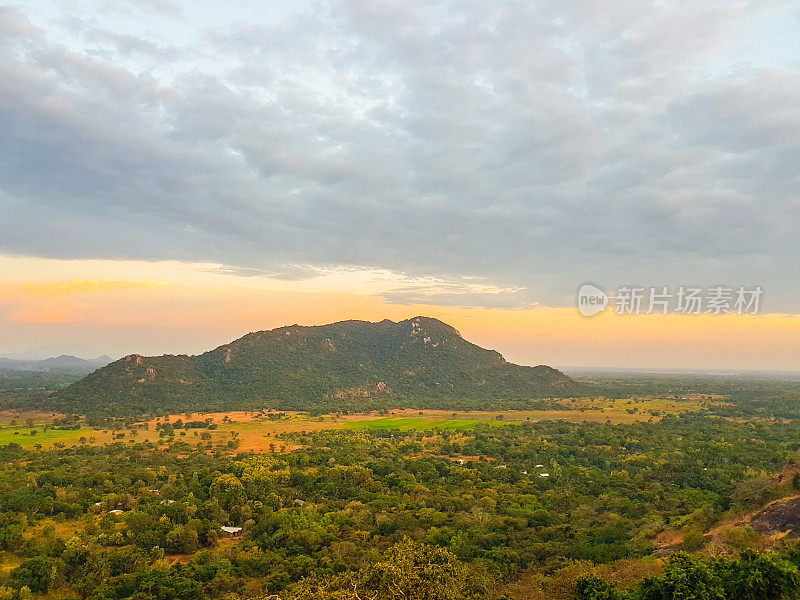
(175,174)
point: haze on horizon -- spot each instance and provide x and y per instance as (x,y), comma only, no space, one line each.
(175,174)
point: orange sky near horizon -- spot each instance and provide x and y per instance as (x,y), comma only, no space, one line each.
(119,307)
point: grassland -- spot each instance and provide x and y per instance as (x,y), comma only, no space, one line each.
(26,437)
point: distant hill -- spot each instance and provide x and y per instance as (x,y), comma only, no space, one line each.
(59,364)
(45,352)
(350,365)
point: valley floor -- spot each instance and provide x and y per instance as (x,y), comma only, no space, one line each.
(516,504)
(258,431)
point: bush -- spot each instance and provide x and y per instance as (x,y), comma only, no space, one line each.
(591,587)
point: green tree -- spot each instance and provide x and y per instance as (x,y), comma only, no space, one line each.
(410,571)
(35,573)
(414,571)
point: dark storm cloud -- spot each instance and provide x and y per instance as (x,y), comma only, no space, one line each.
(533,146)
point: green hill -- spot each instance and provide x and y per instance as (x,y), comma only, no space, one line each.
(350,365)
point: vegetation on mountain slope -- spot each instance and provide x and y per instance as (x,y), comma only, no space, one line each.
(351,365)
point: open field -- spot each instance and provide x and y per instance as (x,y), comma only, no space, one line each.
(422,423)
(26,437)
(261,431)
(684,404)
(11,417)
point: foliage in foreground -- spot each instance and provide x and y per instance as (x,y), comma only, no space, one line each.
(332,519)
(754,576)
(411,571)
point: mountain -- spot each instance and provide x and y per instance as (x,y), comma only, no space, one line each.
(45,352)
(61,364)
(350,365)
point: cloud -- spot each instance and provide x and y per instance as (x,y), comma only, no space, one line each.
(459,297)
(163,7)
(534,146)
